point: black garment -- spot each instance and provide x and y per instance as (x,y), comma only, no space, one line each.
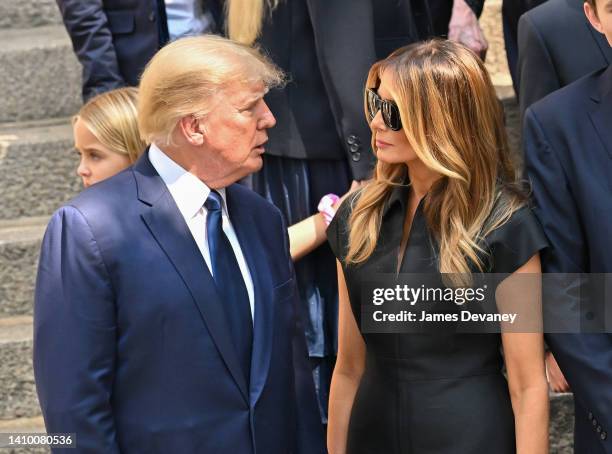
(431,393)
(512,10)
(549,56)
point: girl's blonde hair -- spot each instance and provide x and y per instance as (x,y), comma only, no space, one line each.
(455,125)
(112,118)
(245,18)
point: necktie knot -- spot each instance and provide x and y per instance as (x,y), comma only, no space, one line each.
(213,202)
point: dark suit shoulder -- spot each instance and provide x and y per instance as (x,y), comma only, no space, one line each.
(565,102)
(548,15)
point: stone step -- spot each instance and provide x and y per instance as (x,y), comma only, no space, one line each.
(561,423)
(40,76)
(24,425)
(37,167)
(28,13)
(17,390)
(19,249)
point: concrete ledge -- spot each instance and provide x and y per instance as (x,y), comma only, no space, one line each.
(561,423)
(40,76)
(19,250)
(17,389)
(24,425)
(37,168)
(28,13)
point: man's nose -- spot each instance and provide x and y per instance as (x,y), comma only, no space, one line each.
(266,120)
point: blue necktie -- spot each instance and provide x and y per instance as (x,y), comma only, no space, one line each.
(230,283)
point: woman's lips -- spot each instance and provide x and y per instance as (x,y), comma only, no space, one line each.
(381,144)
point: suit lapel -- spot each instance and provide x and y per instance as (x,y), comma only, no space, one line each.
(174,237)
(601,115)
(246,227)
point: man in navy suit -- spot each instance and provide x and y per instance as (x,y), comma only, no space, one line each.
(549,57)
(568,155)
(165,316)
(115,39)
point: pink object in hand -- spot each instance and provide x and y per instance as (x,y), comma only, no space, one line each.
(326,207)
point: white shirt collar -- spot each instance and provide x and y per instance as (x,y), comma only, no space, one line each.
(188,191)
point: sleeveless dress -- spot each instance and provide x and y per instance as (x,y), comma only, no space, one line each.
(423,393)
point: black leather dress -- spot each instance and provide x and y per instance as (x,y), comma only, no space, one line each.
(432,393)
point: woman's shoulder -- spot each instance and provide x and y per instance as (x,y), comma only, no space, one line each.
(515,241)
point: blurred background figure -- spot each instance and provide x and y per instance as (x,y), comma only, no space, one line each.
(512,10)
(557,45)
(114,39)
(321,142)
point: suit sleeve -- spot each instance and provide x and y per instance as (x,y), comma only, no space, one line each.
(310,438)
(75,335)
(585,359)
(537,75)
(92,41)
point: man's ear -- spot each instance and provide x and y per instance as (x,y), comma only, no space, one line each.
(190,128)
(591,15)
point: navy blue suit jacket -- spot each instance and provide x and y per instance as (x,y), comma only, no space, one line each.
(568,156)
(114,39)
(131,349)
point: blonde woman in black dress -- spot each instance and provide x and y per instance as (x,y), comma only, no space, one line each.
(444,199)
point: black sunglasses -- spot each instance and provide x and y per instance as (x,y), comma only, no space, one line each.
(390,111)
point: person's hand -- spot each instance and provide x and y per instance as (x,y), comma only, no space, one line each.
(464,28)
(556,380)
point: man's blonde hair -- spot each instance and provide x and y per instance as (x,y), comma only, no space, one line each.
(184,76)
(111,117)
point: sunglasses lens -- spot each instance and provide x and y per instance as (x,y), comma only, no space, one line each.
(390,112)
(373,103)
(391,116)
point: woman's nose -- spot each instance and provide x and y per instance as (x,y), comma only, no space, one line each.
(377,122)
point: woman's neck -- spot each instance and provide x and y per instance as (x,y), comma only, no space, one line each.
(421,178)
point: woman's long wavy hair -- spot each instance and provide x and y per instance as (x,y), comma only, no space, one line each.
(245,18)
(455,125)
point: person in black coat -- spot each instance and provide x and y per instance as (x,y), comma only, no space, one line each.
(568,156)
(115,39)
(512,10)
(549,56)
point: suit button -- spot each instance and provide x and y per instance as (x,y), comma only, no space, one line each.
(152,16)
(354,148)
(590,416)
(603,435)
(352,139)
(356,156)
(594,422)
(598,429)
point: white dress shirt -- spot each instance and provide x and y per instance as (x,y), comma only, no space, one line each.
(185,18)
(190,193)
